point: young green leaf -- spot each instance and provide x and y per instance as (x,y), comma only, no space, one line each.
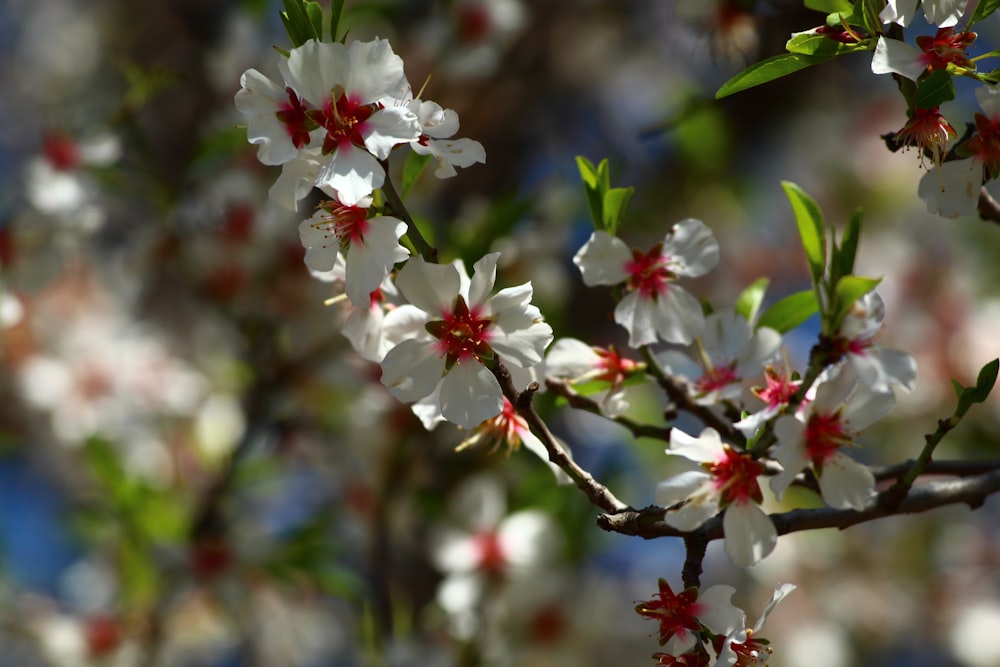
(336,10)
(299,23)
(844,255)
(809,219)
(412,168)
(830,6)
(773,68)
(983,9)
(592,185)
(615,201)
(984,383)
(848,290)
(790,312)
(812,44)
(749,302)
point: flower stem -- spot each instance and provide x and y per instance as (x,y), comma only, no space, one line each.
(428,252)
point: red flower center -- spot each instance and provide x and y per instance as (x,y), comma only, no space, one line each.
(648,272)
(736,477)
(463,334)
(61,152)
(295,117)
(677,614)
(779,388)
(717,378)
(489,553)
(824,435)
(344,118)
(945,48)
(615,368)
(348,224)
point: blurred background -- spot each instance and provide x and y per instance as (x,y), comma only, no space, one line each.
(197,470)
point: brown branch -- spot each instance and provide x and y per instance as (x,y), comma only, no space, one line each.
(648,522)
(945,468)
(575,400)
(598,494)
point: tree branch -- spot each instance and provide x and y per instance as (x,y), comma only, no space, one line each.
(598,494)
(579,402)
(648,522)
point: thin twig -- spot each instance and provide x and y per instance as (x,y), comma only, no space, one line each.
(575,400)
(428,252)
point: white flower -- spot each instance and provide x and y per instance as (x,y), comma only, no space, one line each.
(437,126)
(682,615)
(344,101)
(728,351)
(740,647)
(878,367)
(777,391)
(573,361)
(653,307)
(370,246)
(721,478)
(942,13)
(464,327)
(813,438)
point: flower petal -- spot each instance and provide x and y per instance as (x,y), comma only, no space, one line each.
(750,534)
(845,483)
(470,394)
(602,260)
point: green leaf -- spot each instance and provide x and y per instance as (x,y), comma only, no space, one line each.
(790,312)
(844,255)
(984,383)
(830,6)
(615,201)
(749,302)
(812,44)
(848,290)
(773,68)
(299,21)
(592,185)
(315,13)
(412,168)
(935,90)
(809,219)
(337,9)
(984,9)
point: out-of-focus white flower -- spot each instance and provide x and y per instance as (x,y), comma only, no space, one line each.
(654,307)
(453,328)
(720,478)
(972,635)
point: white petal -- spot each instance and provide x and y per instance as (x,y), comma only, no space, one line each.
(294,182)
(790,452)
(899,11)
(692,248)
(569,358)
(389,127)
(718,614)
(313,69)
(952,189)
(635,313)
(602,260)
(845,483)
(725,335)
(369,262)
(895,57)
(412,370)
(761,348)
(681,487)
(526,537)
(321,244)
(483,278)
(428,410)
(678,317)
(430,287)
(706,448)
(865,407)
(352,172)
(375,71)
(260,99)
(781,591)
(944,13)
(470,395)
(750,534)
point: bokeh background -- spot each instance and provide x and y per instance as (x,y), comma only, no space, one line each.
(196,469)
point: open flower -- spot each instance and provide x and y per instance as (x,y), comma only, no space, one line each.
(654,307)
(936,52)
(877,367)
(463,329)
(777,392)
(814,437)
(722,479)
(370,245)
(437,126)
(727,351)
(340,105)
(744,647)
(573,361)
(682,616)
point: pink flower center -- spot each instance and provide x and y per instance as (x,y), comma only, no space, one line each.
(615,368)
(490,556)
(648,272)
(927,130)
(295,117)
(463,334)
(752,652)
(824,435)
(717,378)
(61,152)
(779,388)
(985,144)
(344,119)
(736,477)
(348,223)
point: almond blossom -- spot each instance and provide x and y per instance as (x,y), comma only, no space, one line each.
(727,351)
(683,615)
(879,368)
(653,307)
(777,392)
(437,126)
(743,647)
(344,101)
(573,361)
(946,47)
(370,246)
(813,438)
(463,328)
(720,479)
